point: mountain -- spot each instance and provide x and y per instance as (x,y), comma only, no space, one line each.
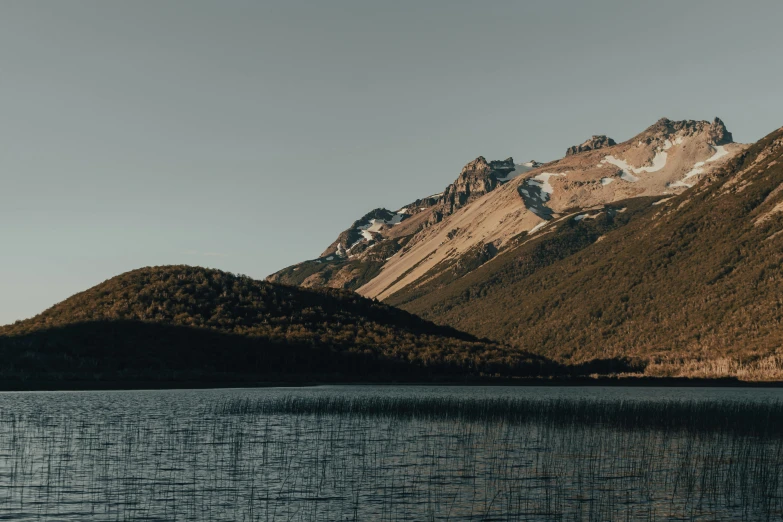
(663,249)
(181,323)
(690,282)
(491,203)
(665,159)
(361,251)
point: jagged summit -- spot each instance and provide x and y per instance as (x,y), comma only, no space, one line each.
(715,131)
(477,178)
(597,141)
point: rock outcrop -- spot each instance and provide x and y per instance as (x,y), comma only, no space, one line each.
(476,179)
(719,133)
(715,130)
(596,142)
(501,168)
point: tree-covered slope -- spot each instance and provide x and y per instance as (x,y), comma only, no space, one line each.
(188,323)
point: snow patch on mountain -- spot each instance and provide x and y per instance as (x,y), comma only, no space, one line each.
(538,227)
(698,167)
(542,181)
(535,193)
(658,162)
(396,219)
(518,169)
(628,171)
(628,177)
(375,225)
(720,151)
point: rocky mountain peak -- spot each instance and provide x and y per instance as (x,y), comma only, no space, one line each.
(716,131)
(595,142)
(719,134)
(476,179)
(479,167)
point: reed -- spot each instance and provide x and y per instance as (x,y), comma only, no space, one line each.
(330,456)
(736,416)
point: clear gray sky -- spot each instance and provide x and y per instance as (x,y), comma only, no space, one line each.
(246,135)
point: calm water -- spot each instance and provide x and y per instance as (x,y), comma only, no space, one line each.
(169,455)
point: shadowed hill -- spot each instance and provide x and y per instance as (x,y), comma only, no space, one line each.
(691,284)
(186,323)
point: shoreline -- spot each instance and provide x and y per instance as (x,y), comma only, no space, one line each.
(630,382)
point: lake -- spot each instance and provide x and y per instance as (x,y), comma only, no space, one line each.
(393,453)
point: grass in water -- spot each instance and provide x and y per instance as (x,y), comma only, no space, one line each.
(741,417)
(335,457)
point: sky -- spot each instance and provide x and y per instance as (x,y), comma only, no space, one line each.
(246,135)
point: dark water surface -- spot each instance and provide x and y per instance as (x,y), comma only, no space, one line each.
(192,455)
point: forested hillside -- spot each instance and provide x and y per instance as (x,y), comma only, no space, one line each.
(187,323)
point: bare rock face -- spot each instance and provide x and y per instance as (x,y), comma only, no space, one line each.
(476,179)
(716,131)
(596,142)
(719,134)
(501,168)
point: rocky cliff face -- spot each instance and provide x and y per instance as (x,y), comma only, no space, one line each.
(476,179)
(715,131)
(596,142)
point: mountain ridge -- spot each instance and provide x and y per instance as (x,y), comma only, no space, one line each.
(479,211)
(664,159)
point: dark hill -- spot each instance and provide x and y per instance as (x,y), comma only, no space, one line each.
(691,286)
(180,323)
